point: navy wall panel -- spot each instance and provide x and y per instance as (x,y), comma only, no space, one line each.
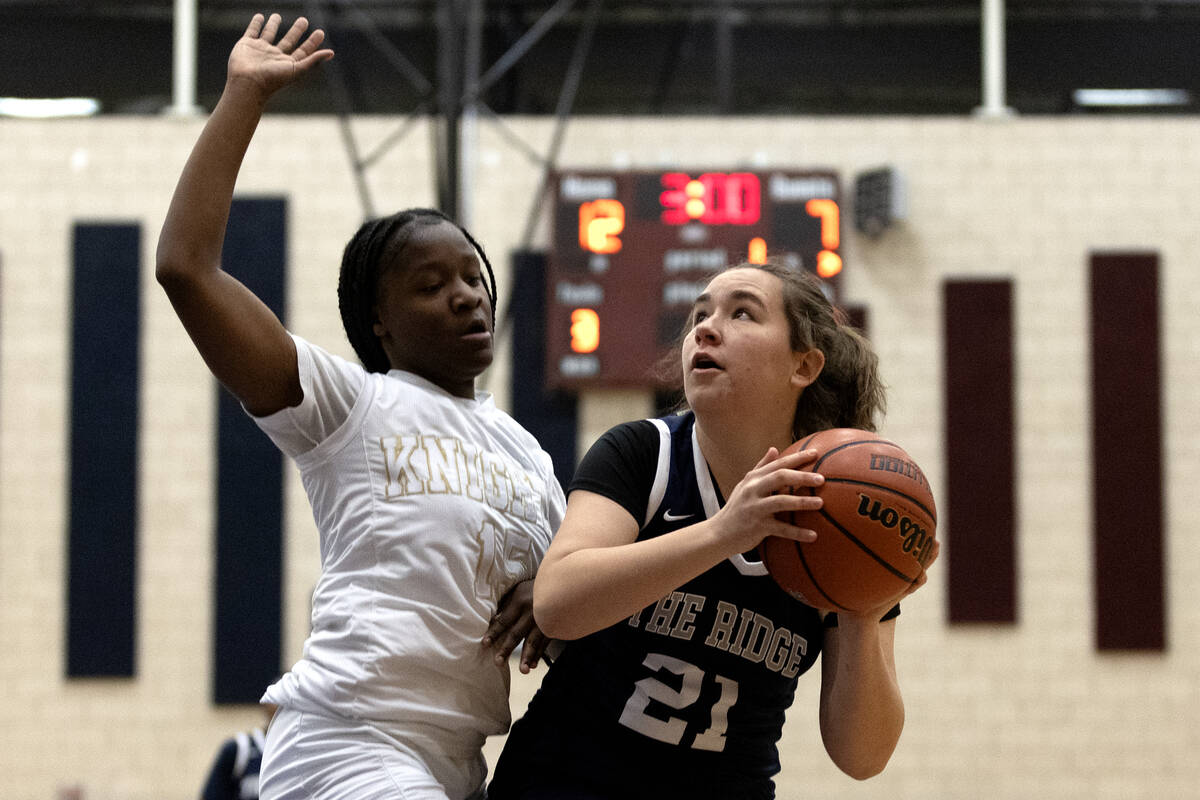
(247,641)
(102,510)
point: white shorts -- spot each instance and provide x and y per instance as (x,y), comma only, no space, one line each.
(312,757)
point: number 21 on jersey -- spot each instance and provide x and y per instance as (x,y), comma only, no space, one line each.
(671,730)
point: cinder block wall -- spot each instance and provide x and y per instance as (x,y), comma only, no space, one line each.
(1029,709)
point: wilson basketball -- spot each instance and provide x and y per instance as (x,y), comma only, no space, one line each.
(875,531)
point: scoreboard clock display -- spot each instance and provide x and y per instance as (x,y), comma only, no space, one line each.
(631,251)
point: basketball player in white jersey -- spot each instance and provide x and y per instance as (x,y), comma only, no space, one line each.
(434,507)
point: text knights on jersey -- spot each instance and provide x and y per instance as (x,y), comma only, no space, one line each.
(419,464)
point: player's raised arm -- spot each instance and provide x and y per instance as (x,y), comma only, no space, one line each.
(241,340)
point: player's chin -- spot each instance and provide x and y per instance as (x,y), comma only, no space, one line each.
(475,355)
(710,393)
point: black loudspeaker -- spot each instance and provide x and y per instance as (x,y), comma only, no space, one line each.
(879,200)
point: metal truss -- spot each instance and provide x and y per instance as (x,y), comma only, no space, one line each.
(454,95)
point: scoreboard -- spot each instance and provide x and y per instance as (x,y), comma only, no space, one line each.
(631,250)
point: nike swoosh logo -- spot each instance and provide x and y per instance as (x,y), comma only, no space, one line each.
(669,517)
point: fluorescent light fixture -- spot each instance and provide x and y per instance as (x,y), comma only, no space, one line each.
(48,107)
(1131,97)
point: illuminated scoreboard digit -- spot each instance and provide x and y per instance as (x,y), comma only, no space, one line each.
(631,250)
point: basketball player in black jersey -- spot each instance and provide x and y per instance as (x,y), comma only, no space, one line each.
(682,654)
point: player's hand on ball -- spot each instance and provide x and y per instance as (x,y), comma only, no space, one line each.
(514,622)
(764,499)
(875,533)
(875,614)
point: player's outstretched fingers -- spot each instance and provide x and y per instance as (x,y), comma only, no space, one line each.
(290,39)
(255,27)
(271,28)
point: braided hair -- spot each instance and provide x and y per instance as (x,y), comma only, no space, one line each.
(358,280)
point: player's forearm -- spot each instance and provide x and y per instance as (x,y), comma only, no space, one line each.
(592,588)
(194,228)
(863,715)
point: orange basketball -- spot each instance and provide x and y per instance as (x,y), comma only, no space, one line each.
(875,531)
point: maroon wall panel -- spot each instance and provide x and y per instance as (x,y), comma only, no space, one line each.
(977,513)
(1127,488)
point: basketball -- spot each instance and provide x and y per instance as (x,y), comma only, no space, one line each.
(875,531)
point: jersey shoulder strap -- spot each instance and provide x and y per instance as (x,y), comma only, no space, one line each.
(662,472)
(667,428)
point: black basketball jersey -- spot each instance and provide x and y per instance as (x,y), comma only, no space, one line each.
(686,698)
